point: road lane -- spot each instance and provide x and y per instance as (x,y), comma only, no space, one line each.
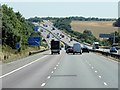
(33,75)
(16,64)
(75,72)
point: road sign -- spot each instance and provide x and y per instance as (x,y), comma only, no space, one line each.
(34,41)
(17,46)
(105,35)
(36,28)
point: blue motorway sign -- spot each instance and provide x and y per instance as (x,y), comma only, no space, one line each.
(34,41)
(105,35)
(17,46)
(36,28)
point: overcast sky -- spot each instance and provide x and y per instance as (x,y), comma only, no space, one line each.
(60,9)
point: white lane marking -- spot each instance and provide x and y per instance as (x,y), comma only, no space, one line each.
(57,65)
(52,72)
(55,68)
(43,84)
(89,64)
(100,76)
(48,77)
(92,67)
(21,67)
(95,71)
(105,83)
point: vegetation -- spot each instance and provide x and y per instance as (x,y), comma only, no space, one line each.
(15,28)
(73,18)
(90,19)
(96,27)
(117,23)
(64,24)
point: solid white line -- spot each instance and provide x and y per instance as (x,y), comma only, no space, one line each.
(105,83)
(43,84)
(48,77)
(58,63)
(21,67)
(100,77)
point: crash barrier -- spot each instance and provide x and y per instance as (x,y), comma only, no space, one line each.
(38,51)
(116,56)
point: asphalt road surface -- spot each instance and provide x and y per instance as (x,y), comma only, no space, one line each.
(61,71)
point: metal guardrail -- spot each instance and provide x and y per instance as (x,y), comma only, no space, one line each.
(38,51)
(116,56)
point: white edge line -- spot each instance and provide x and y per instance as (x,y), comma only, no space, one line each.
(43,84)
(21,67)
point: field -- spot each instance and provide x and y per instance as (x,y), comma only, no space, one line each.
(96,27)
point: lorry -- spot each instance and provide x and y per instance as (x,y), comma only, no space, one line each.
(77,48)
(55,47)
(95,45)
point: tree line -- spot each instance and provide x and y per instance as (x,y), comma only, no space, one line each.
(75,18)
(15,28)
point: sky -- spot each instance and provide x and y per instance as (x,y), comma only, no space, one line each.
(65,9)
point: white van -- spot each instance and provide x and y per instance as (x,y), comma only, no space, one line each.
(77,48)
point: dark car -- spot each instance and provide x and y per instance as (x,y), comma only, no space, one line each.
(113,50)
(85,49)
(69,50)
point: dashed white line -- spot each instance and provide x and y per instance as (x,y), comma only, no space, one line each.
(89,64)
(105,83)
(92,67)
(100,76)
(43,84)
(55,68)
(57,65)
(52,72)
(95,71)
(48,77)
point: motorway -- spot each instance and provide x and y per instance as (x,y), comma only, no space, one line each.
(61,71)
(44,70)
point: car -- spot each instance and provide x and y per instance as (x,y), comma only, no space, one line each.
(113,50)
(53,28)
(48,36)
(77,48)
(85,49)
(69,50)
